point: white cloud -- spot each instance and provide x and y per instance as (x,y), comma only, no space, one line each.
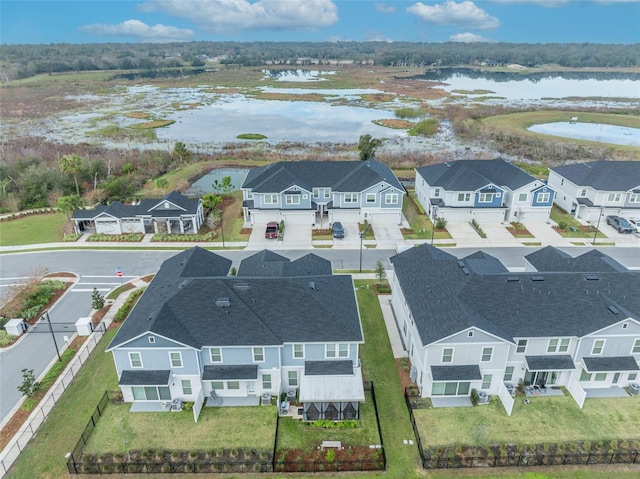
(465,14)
(141,31)
(224,16)
(384,8)
(468,38)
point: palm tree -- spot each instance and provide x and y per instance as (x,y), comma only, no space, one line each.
(72,164)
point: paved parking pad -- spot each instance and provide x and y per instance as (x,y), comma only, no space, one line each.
(497,234)
(351,238)
(297,237)
(387,234)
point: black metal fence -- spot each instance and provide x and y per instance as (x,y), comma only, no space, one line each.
(490,456)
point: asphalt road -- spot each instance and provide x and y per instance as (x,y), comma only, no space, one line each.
(98,269)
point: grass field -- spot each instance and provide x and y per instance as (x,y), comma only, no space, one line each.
(559,216)
(543,420)
(32,229)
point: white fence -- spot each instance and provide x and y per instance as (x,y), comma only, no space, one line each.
(11,452)
(506,398)
(576,391)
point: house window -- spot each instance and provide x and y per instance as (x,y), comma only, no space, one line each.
(564,345)
(216,355)
(351,197)
(508,373)
(486,354)
(598,346)
(436,193)
(270,199)
(293,379)
(634,198)
(583,193)
(316,193)
(233,385)
(636,347)
(343,350)
(450,389)
(330,351)
(585,376)
(266,381)
(258,355)
(371,197)
(613,197)
(217,385)
(327,194)
(447,355)
(600,377)
(464,197)
(522,197)
(624,325)
(485,197)
(176,359)
(633,376)
(553,346)
(470,334)
(391,199)
(150,393)
(522,346)
(135,359)
(292,199)
(152,339)
(186,387)
(544,197)
(486,381)
(298,351)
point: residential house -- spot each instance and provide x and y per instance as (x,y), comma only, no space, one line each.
(472,324)
(197,334)
(173,214)
(487,191)
(321,192)
(591,191)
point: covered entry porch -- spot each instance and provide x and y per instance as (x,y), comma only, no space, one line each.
(545,371)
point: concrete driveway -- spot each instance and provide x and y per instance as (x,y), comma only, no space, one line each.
(463,233)
(545,233)
(351,238)
(627,239)
(497,234)
(297,237)
(258,242)
(387,234)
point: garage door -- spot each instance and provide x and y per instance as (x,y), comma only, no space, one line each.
(534,216)
(491,216)
(258,216)
(302,218)
(384,217)
(352,216)
(454,215)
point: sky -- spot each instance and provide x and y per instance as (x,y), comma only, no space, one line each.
(514,21)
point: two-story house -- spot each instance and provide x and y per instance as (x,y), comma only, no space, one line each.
(487,191)
(591,191)
(471,324)
(173,214)
(199,335)
(321,192)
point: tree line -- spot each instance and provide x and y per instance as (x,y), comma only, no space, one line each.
(20,61)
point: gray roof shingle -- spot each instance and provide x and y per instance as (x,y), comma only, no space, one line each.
(328,368)
(552,259)
(239,371)
(556,362)
(266,263)
(469,372)
(141,377)
(612,363)
(146,207)
(471,175)
(603,175)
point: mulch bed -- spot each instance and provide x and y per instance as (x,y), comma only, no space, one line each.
(349,458)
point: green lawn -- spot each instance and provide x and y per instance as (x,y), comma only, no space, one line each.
(294,434)
(418,221)
(119,431)
(543,420)
(32,229)
(559,216)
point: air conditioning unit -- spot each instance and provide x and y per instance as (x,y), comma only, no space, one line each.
(634,389)
(510,388)
(176,405)
(483,397)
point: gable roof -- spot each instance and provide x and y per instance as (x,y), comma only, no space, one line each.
(603,174)
(266,263)
(510,305)
(146,207)
(552,259)
(471,175)
(348,176)
(191,301)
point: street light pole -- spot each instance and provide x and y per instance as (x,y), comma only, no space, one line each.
(44,316)
(433,224)
(362,233)
(597,225)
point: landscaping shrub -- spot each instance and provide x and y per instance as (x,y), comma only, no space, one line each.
(128,304)
(188,237)
(562,225)
(476,227)
(5,338)
(129,237)
(441,223)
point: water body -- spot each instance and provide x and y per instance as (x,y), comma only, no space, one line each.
(297,75)
(280,121)
(618,135)
(538,86)
(205,184)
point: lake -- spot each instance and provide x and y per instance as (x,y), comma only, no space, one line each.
(618,135)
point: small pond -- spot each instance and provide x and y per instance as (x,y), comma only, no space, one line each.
(617,135)
(205,184)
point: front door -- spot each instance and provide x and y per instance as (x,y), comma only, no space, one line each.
(251,387)
(616,378)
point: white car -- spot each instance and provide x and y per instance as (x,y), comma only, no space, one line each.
(635,222)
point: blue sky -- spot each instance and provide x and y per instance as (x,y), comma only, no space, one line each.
(518,21)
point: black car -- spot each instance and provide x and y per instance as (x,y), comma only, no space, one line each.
(622,225)
(338,230)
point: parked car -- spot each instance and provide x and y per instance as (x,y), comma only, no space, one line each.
(272,230)
(338,230)
(635,222)
(621,224)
